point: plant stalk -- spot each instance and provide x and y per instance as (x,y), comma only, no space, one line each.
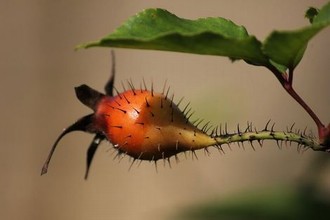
(280,137)
(286,81)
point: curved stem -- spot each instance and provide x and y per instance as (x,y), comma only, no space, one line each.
(286,82)
(296,97)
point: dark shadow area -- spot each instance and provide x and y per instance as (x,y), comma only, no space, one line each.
(306,200)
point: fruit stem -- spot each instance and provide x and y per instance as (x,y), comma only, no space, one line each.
(279,136)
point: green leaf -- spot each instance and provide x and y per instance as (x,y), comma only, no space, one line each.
(287,47)
(158,29)
(323,16)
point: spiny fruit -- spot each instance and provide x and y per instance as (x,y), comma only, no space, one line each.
(149,126)
(140,123)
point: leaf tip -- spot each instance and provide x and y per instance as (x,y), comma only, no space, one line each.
(86,45)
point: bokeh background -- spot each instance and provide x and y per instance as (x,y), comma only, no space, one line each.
(39,69)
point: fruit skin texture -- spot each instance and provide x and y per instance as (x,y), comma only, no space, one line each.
(147,125)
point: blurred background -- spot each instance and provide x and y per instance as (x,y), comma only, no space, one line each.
(39,69)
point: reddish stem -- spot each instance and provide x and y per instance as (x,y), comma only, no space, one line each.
(286,81)
(291,77)
(288,87)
